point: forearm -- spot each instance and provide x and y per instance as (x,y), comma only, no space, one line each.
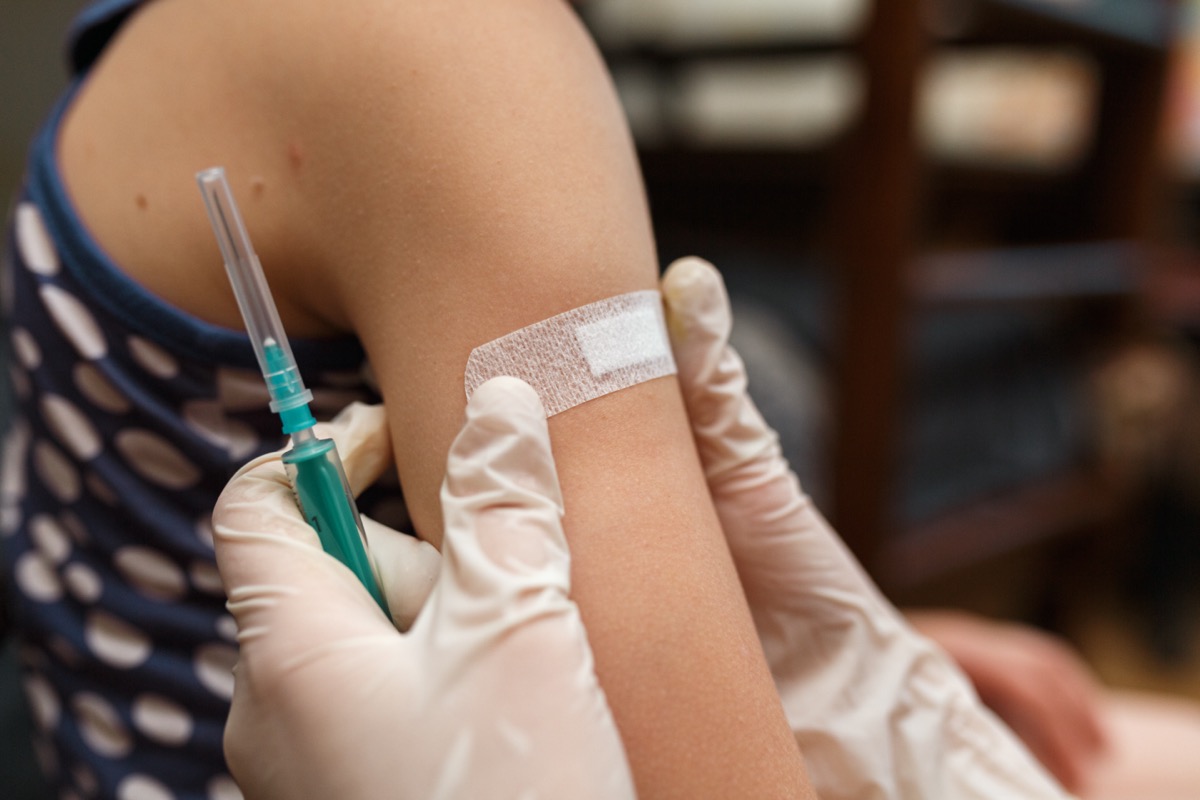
(675,648)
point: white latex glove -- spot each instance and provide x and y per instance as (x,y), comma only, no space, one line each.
(878,710)
(491,693)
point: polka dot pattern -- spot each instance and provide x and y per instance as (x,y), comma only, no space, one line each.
(151,573)
(241,390)
(37,579)
(204,531)
(101,726)
(101,490)
(44,704)
(106,492)
(222,787)
(152,358)
(50,538)
(26,349)
(116,642)
(207,418)
(156,459)
(85,779)
(214,667)
(74,526)
(75,322)
(70,427)
(65,651)
(226,628)
(12,477)
(206,579)
(20,382)
(143,787)
(33,241)
(10,519)
(83,582)
(98,390)
(56,472)
(162,720)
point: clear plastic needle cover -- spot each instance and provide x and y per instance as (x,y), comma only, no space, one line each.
(254,298)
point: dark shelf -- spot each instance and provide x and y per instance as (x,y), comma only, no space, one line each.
(1122,24)
(1100,24)
(1073,500)
(1024,274)
(668,53)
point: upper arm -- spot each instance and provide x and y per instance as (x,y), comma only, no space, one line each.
(476,176)
(463,172)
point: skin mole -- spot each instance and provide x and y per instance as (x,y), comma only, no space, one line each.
(295,155)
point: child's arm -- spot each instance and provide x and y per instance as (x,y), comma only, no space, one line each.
(494,186)
(433,175)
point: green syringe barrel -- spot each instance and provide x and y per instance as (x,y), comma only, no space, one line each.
(325,499)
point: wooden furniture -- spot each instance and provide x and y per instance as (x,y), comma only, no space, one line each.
(874,201)
(1110,197)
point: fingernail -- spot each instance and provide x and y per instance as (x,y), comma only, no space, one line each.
(687,283)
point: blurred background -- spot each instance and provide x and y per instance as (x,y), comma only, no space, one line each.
(962,237)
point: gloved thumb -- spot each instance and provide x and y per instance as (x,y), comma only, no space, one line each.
(405,566)
(729,430)
(504,553)
(698,316)
(264,546)
(274,572)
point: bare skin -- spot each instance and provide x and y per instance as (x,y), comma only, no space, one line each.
(430,176)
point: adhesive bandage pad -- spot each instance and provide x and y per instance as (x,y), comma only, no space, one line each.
(581,354)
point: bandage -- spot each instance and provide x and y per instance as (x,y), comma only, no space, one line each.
(581,354)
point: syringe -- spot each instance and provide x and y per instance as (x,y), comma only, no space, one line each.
(312,464)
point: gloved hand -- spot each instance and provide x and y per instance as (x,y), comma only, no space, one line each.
(878,711)
(491,693)
(1034,682)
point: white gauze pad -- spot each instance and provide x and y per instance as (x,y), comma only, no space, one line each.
(582,354)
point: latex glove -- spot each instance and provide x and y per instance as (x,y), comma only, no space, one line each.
(878,710)
(491,693)
(1035,682)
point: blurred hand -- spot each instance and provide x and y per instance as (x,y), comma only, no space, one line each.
(1033,681)
(877,709)
(491,693)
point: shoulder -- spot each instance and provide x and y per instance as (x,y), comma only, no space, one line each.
(370,142)
(454,138)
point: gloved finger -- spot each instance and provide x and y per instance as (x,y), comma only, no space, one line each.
(363,441)
(504,551)
(699,319)
(275,573)
(407,569)
(728,428)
